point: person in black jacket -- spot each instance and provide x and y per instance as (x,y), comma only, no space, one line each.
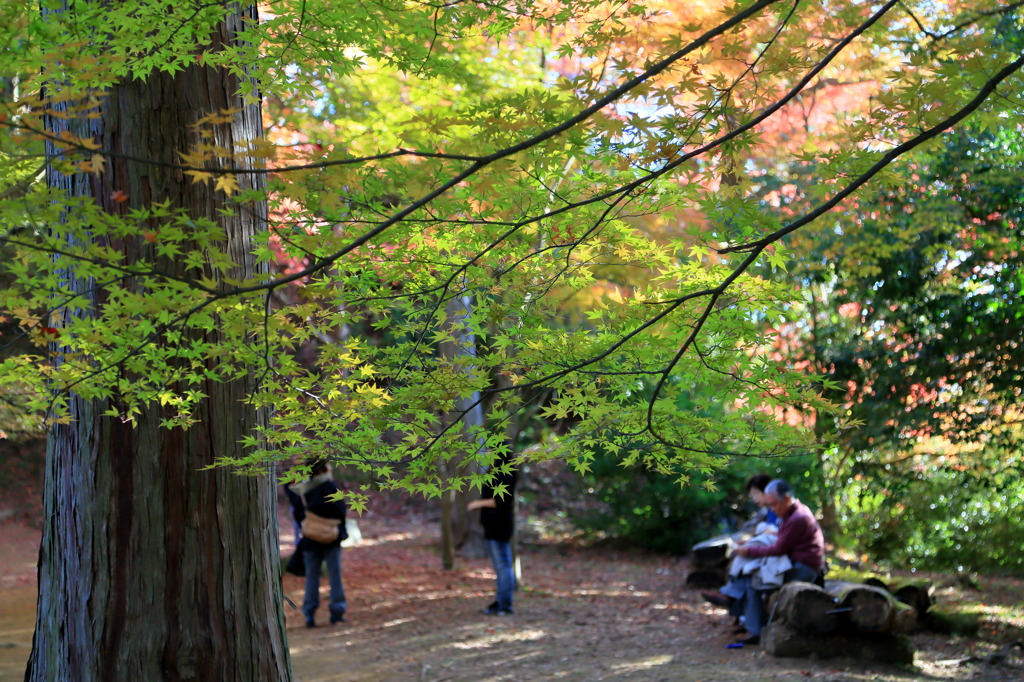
(497,514)
(312,494)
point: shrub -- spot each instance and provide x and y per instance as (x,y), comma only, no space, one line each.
(938,519)
(652,511)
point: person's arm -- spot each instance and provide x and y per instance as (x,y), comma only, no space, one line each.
(789,535)
(298,507)
(479,504)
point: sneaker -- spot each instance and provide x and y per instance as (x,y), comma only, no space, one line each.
(718,599)
(338,618)
(310,623)
(753,639)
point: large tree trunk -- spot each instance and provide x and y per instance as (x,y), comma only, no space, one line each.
(151,568)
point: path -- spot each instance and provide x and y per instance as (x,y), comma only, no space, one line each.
(583,614)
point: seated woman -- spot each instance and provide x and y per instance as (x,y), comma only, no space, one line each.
(755,488)
(763,522)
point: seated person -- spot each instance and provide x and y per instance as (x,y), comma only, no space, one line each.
(766,573)
(765,519)
(755,488)
(799,538)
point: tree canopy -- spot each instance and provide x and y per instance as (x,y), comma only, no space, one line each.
(586,180)
(383,233)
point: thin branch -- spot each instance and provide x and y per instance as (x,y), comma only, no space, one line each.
(986,90)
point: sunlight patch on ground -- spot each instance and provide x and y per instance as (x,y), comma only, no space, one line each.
(18,569)
(310,648)
(383,539)
(418,594)
(643,664)
(625,592)
(1004,612)
(495,639)
(396,622)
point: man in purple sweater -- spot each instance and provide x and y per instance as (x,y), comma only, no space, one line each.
(800,539)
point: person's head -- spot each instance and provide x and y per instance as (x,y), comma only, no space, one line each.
(756,486)
(778,496)
(318,466)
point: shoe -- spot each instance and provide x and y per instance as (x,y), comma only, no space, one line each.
(495,610)
(338,618)
(753,639)
(310,623)
(717,599)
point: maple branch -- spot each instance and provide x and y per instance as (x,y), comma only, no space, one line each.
(764,115)
(482,162)
(127,270)
(962,25)
(714,293)
(224,170)
(983,93)
(618,194)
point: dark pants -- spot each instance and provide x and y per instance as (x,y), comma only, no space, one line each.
(314,555)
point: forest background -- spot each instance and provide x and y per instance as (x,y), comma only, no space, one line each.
(669,244)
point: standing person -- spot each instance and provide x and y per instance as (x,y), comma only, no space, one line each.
(311,496)
(800,539)
(497,514)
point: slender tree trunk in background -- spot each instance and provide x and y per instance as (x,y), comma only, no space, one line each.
(823,434)
(447,531)
(151,568)
(460,529)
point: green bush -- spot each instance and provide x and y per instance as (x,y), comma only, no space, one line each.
(939,518)
(652,511)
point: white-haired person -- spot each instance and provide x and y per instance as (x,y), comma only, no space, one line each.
(799,538)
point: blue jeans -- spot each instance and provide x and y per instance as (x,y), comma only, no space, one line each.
(750,602)
(501,558)
(313,555)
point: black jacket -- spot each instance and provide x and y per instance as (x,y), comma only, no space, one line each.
(316,491)
(499,521)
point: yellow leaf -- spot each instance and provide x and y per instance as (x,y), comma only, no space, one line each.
(199,176)
(86,142)
(227,184)
(98,162)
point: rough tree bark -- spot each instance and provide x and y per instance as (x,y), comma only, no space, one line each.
(150,568)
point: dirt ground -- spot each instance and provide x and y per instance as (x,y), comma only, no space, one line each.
(581,614)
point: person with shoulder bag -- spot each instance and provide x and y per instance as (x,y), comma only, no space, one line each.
(322,523)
